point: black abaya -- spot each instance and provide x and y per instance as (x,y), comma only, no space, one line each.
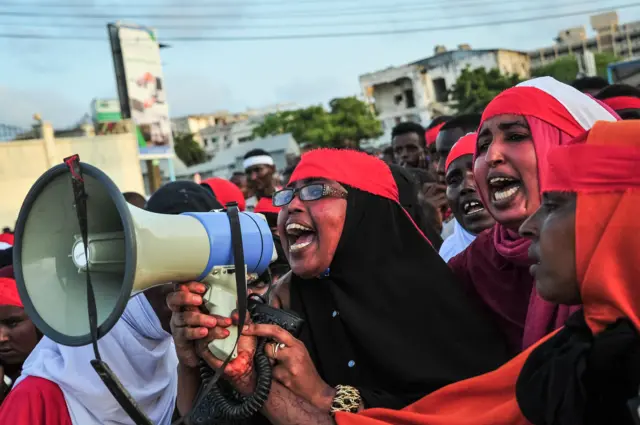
(390,318)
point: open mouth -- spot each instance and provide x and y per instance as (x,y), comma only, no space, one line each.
(472,207)
(299,236)
(503,188)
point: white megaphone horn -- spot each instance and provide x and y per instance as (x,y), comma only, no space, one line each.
(128,251)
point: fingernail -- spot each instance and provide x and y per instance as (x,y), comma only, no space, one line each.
(196,299)
(226,332)
(203,332)
(211,322)
(227,321)
(245,328)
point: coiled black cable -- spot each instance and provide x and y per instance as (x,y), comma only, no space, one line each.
(223,403)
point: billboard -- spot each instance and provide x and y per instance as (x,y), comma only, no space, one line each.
(138,68)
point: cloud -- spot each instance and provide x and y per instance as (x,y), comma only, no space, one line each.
(18,106)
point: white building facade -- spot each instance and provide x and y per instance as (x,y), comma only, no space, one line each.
(420,90)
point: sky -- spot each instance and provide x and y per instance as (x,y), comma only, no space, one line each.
(59,78)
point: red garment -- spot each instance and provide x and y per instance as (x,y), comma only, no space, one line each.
(619,103)
(7,238)
(265,205)
(466,145)
(432,134)
(225,192)
(9,292)
(35,401)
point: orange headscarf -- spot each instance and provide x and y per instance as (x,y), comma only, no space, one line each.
(607,269)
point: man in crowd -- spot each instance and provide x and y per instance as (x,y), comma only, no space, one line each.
(261,171)
(471,218)
(431,134)
(448,135)
(240,179)
(408,143)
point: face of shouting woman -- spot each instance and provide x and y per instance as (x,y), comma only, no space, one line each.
(310,230)
(506,169)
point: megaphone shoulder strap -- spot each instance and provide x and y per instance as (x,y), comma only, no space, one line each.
(241,292)
(111,381)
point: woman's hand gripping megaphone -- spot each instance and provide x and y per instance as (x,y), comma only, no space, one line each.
(193,330)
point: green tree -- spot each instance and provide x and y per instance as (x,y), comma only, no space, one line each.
(188,150)
(602,62)
(566,69)
(347,123)
(474,89)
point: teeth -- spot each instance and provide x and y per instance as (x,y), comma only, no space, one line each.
(297,228)
(298,246)
(472,207)
(494,180)
(504,194)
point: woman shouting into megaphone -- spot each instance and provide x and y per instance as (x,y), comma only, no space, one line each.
(370,288)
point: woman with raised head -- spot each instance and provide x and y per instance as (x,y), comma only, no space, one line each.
(518,129)
(385,320)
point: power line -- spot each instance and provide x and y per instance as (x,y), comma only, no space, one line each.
(331,35)
(387,10)
(231,3)
(217,26)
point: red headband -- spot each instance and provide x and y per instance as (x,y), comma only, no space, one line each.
(466,145)
(432,134)
(265,205)
(9,292)
(619,103)
(353,168)
(531,101)
(592,168)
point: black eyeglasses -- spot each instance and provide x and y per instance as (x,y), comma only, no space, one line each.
(310,192)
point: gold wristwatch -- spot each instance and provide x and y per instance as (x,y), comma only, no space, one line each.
(347,399)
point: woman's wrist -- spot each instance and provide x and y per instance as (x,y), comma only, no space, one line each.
(323,399)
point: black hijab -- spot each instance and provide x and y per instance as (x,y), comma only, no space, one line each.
(389,318)
(180,197)
(408,193)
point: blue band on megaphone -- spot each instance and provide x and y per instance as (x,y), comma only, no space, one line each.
(257,241)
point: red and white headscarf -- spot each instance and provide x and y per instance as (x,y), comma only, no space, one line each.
(6,240)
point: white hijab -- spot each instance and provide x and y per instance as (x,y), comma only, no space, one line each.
(139,352)
(456,243)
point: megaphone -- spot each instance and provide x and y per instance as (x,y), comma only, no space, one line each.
(128,251)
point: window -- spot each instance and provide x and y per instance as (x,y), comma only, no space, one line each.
(398,120)
(397,99)
(245,139)
(410,101)
(440,87)
(205,141)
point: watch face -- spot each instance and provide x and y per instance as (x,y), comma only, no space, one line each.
(79,257)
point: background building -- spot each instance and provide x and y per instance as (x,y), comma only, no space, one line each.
(610,37)
(420,90)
